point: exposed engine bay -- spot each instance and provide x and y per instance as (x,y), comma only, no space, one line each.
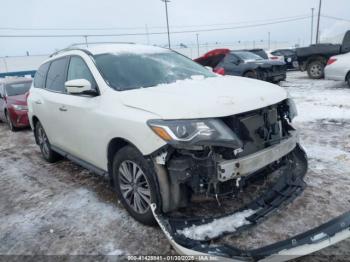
(264,140)
(265,147)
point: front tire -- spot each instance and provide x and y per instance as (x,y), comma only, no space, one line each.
(44,144)
(135,185)
(9,122)
(315,69)
(348,79)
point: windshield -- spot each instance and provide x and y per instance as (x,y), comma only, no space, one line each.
(245,55)
(131,71)
(17,88)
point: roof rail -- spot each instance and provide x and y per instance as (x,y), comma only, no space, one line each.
(98,43)
(70,49)
(85,44)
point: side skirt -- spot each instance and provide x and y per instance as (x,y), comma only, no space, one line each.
(94,169)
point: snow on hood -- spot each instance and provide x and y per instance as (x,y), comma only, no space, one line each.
(206,97)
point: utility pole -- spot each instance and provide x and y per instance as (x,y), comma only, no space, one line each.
(86,40)
(318,23)
(269,41)
(312,25)
(167,19)
(197,44)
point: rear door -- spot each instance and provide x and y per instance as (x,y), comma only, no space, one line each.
(231,64)
(48,101)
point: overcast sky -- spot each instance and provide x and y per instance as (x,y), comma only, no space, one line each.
(136,14)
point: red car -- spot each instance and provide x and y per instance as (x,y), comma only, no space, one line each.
(13,102)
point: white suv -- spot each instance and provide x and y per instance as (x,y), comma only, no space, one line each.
(162,127)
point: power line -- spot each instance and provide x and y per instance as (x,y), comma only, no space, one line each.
(137,28)
(159,32)
(335,18)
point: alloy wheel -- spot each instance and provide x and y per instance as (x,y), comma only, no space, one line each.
(316,70)
(43,142)
(134,186)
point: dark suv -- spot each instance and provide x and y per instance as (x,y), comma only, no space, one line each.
(243,63)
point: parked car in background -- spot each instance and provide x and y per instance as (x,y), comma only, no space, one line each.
(314,58)
(13,101)
(243,63)
(290,57)
(266,54)
(338,68)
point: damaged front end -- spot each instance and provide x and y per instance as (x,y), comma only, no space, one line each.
(272,73)
(218,159)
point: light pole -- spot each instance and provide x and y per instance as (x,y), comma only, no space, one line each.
(167,19)
(312,24)
(318,23)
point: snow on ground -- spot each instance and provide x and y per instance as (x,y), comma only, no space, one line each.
(217,226)
(318,99)
(62,209)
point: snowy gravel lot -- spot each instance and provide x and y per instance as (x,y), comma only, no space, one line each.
(62,209)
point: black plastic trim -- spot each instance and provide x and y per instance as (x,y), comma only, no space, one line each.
(84,164)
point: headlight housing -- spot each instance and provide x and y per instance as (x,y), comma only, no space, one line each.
(20,107)
(201,132)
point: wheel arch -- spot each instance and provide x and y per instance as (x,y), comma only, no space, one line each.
(347,76)
(34,121)
(250,70)
(113,147)
(313,58)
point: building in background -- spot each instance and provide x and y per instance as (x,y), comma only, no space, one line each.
(20,65)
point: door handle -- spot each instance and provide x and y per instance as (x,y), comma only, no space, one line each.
(63,109)
(38,102)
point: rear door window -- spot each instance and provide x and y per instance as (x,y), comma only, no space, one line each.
(56,76)
(40,76)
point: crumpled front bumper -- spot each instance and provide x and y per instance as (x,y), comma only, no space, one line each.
(286,188)
(328,234)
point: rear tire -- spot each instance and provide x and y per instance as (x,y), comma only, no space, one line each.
(44,144)
(348,79)
(315,69)
(135,185)
(251,74)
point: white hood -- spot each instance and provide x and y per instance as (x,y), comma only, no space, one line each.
(204,98)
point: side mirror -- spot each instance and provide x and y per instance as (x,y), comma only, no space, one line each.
(78,86)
